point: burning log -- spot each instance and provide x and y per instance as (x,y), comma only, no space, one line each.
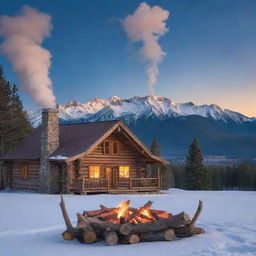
(160,214)
(158,225)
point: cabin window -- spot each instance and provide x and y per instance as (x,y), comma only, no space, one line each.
(94,171)
(106,147)
(115,147)
(124,172)
(24,171)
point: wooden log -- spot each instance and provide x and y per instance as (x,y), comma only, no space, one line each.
(110,237)
(86,234)
(130,239)
(100,226)
(197,213)
(187,231)
(133,215)
(161,214)
(154,214)
(158,225)
(147,205)
(106,209)
(65,214)
(106,215)
(69,234)
(92,213)
(190,229)
(164,235)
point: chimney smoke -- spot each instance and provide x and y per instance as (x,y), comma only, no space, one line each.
(23,35)
(147,24)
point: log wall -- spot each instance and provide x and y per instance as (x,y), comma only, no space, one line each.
(17,182)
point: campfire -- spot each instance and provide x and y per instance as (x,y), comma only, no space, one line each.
(127,225)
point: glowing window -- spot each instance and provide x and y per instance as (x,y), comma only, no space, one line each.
(94,171)
(24,171)
(124,171)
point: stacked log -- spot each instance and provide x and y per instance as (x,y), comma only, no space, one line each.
(104,224)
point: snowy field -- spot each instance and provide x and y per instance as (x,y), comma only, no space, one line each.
(31,224)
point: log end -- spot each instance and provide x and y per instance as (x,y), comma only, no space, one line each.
(67,235)
(111,237)
(134,239)
(169,234)
(125,229)
(89,237)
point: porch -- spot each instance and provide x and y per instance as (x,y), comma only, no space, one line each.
(85,185)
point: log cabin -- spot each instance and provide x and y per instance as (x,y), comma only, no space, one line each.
(80,158)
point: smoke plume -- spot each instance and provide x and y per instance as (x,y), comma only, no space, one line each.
(147,24)
(23,35)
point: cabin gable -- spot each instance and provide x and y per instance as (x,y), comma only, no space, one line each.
(116,158)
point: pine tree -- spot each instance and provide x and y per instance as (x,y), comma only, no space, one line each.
(14,125)
(196,175)
(155,148)
(245,176)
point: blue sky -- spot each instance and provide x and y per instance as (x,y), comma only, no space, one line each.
(210,46)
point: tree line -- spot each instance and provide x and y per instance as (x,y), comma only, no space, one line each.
(194,175)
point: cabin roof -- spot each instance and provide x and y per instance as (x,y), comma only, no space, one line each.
(75,141)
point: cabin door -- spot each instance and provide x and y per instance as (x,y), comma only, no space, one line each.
(111,173)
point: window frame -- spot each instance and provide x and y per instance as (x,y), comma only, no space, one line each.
(94,176)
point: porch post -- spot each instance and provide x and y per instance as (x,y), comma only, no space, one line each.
(159,177)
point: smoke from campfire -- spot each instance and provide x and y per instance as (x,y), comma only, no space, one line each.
(147,24)
(23,35)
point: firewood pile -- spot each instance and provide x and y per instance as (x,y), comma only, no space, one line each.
(127,225)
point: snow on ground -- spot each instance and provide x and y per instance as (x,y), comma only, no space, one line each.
(31,224)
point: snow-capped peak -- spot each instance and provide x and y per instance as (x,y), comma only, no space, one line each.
(138,107)
(114,98)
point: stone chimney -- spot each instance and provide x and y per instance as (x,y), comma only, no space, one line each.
(49,143)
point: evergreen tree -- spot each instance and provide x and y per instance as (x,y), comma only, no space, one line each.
(196,175)
(166,174)
(155,148)
(14,125)
(245,176)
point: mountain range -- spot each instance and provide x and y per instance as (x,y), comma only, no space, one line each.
(221,132)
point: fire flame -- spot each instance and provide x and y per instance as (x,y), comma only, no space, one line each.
(145,212)
(133,215)
(122,209)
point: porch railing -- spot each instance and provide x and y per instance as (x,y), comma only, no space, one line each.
(140,183)
(90,184)
(84,184)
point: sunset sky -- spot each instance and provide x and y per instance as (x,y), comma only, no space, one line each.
(210,51)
